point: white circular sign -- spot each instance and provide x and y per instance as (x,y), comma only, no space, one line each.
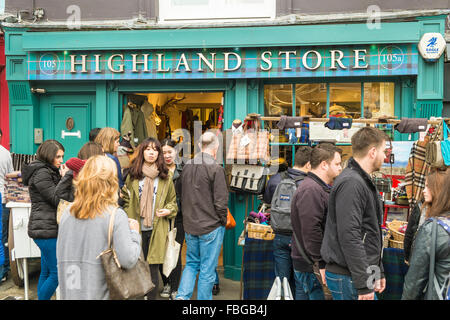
(431,46)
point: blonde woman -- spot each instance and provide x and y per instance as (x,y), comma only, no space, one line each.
(83,233)
(149,197)
(109,139)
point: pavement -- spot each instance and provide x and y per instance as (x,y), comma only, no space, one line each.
(229,289)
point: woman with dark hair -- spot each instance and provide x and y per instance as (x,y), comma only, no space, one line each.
(42,177)
(437,203)
(149,197)
(170,156)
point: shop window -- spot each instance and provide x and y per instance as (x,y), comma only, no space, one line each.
(311,99)
(345,100)
(278,100)
(378,99)
(172,10)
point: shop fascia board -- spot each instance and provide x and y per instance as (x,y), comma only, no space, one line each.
(284,36)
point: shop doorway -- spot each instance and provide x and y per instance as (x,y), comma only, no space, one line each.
(166,113)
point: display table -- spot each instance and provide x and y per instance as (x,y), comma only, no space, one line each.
(259,269)
(386,210)
(395,270)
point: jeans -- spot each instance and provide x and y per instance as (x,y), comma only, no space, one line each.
(341,287)
(48,280)
(5,230)
(216,281)
(307,286)
(283,260)
(201,258)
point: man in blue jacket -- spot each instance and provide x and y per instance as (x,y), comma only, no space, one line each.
(282,240)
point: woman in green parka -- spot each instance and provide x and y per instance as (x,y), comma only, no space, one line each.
(149,197)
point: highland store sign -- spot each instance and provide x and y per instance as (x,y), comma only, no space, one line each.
(371,60)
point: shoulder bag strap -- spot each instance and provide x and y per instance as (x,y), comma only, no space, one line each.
(111,227)
(432,260)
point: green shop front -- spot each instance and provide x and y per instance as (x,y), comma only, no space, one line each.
(297,70)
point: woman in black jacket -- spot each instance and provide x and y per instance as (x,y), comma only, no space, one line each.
(437,201)
(173,280)
(42,176)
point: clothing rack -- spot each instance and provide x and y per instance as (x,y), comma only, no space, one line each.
(368,121)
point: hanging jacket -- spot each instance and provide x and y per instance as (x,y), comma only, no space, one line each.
(42,179)
(134,120)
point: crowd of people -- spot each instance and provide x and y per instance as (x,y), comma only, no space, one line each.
(332,248)
(335,245)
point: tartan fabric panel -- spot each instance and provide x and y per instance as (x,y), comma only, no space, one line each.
(259,268)
(416,171)
(395,270)
(379,58)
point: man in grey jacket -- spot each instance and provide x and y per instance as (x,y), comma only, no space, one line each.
(204,202)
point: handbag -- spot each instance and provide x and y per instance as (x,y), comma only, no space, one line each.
(252,143)
(231,223)
(248,178)
(172,251)
(124,283)
(433,151)
(62,206)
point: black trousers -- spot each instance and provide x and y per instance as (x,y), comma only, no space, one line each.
(154,268)
(175,276)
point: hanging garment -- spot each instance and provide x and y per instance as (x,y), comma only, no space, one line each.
(411,125)
(147,109)
(289,122)
(175,114)
(416,171)
(133,120)
(339,123)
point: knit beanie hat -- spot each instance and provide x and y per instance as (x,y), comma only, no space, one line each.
(75,165)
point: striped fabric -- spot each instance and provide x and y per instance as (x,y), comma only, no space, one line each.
(416,171)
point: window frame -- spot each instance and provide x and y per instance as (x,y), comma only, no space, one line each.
(171,13)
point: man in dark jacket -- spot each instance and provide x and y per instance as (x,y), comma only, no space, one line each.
(353,243)
(204,200)
(308,215)
(282,240)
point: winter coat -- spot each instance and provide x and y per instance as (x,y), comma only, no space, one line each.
(353,240)
(165,199)
(411,230)
(42,179)
(176,178)
(134,120)
(64,189)
(416,280)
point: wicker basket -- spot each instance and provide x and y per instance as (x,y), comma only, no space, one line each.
(393,230)
(260,231)
(396,244)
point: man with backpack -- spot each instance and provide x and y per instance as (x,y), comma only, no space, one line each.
(278,194)
(308,216)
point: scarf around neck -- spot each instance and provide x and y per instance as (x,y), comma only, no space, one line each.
(146,204)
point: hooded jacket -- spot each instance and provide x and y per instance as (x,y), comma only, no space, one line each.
(42,179)
(353,240)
